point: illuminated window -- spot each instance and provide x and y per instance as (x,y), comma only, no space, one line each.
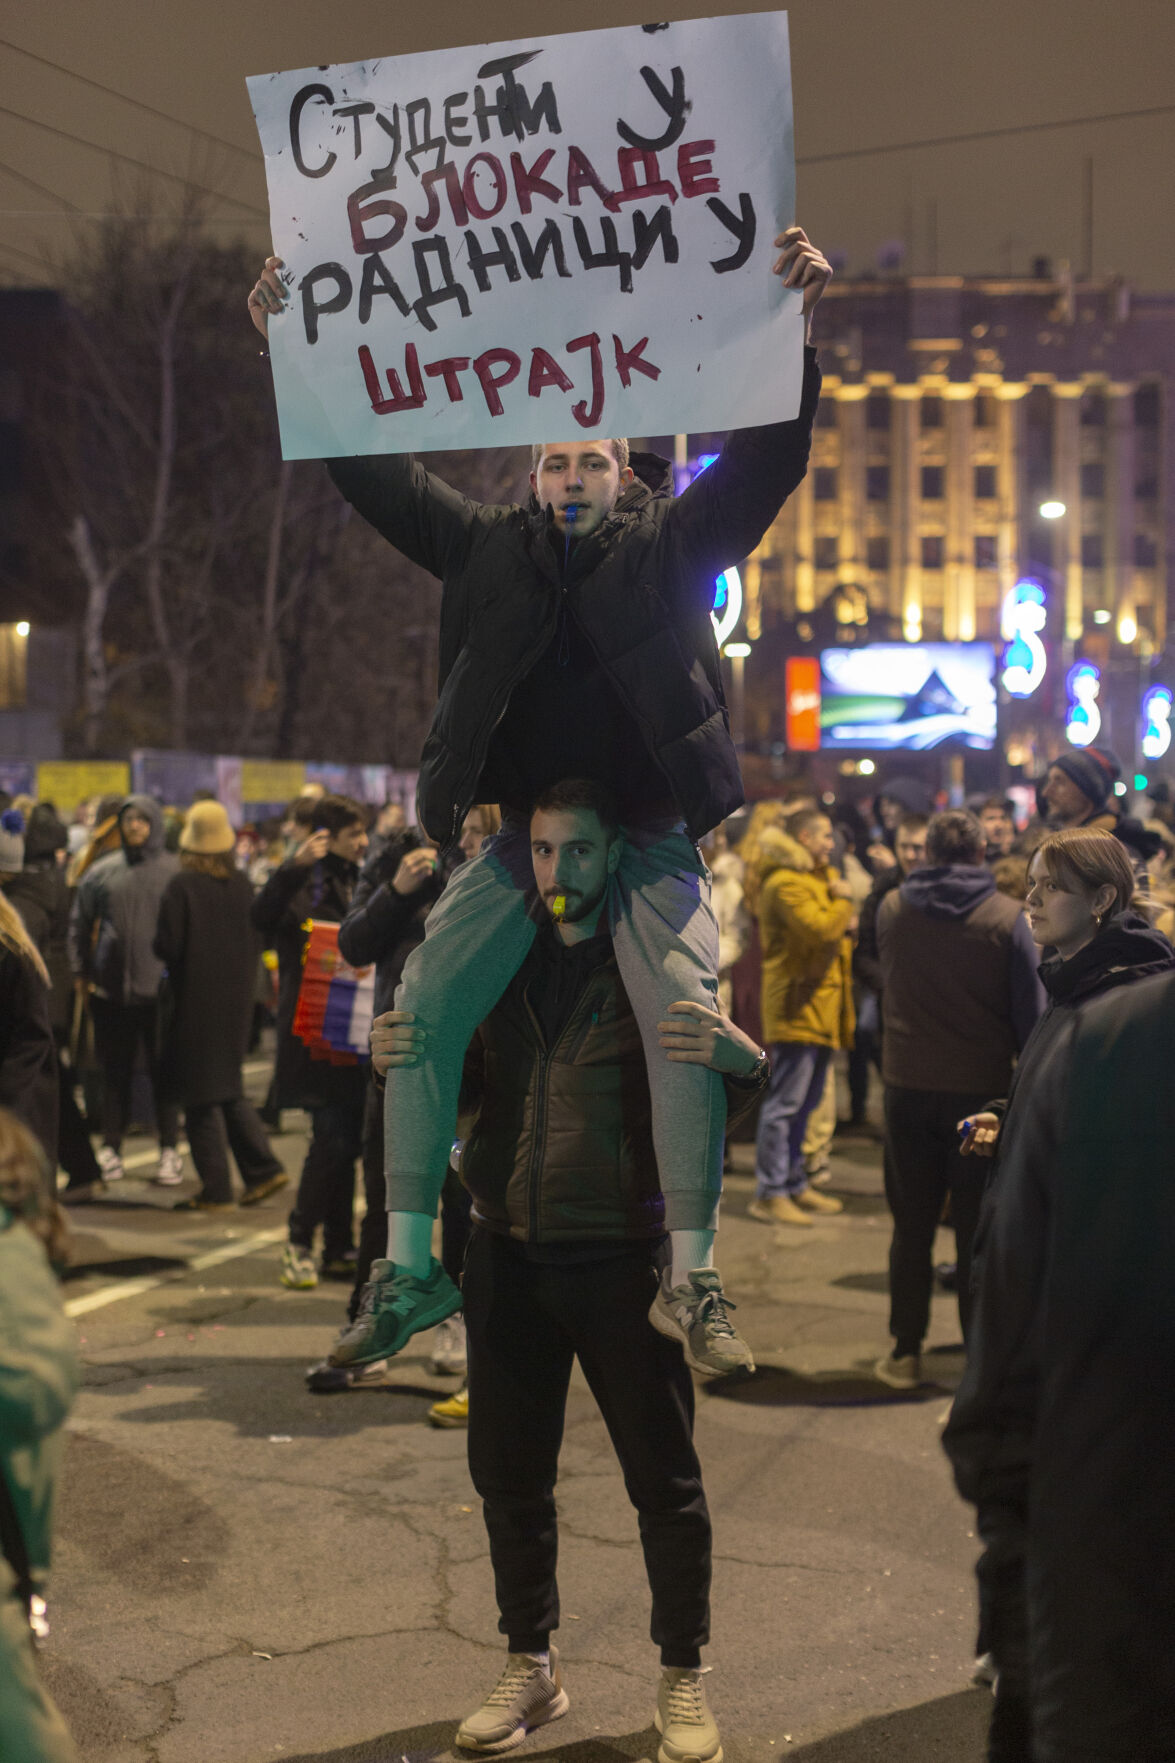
(13,657)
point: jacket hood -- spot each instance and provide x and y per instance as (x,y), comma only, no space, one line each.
(1125,949)
(44,835)
(149,808)
(948,890)
(914,796)
(778,850)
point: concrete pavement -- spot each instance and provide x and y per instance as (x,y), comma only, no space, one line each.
(245,1571)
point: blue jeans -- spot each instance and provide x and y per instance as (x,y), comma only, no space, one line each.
(665,939)
(797,1079)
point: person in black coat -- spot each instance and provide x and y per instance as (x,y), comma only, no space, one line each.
(28,1056)
(317,882)
(42,896)
(206,939)
(1079,906)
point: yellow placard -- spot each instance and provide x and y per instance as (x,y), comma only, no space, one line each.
(68,782)
(271,780)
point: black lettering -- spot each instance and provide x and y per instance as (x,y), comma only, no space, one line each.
(515,112)
(428,142)
(355,111)
(674,104)
(610,257)
(392,130)
(377,278)
(423,250)
(481,262)
(742,225)
(312,306)
(301,100)
(647,231)
(452,124)
(550,240)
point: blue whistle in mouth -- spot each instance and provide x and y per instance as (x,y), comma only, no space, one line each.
(571,513)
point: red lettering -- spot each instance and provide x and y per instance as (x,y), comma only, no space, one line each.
(694,170)
(483,367)
(581,171)
(447,175)
(627,160)
(586,418)
(530,182)
(361,209)
(629,360)
(473,201)
(399,400)
(448,369)
(545,371)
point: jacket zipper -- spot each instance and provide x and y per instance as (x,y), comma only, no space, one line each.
(546,1055)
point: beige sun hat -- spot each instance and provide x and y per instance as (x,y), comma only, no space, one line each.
(207,830)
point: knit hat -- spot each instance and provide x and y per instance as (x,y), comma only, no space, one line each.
(11,842)
(1095,771)
(207,830)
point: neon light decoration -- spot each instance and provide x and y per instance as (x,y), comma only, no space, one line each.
(1156,716)
(1084,721)
(728,604)
(1021,622)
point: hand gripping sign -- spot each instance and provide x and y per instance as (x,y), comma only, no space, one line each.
(570,234)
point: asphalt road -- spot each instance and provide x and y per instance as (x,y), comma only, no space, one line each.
(246,1571)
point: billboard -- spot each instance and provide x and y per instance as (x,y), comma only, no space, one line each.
(911,696)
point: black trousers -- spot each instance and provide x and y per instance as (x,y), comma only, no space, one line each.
(525,1324)
(326,1188)
(216,1127)
(922,1167)
(75,1153)
(1003,1626)
(373,1232)
(119,1029)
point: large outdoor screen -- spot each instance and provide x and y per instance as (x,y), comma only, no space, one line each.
(912,695)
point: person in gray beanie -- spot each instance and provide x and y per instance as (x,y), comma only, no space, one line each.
(1077,790)
(112,932)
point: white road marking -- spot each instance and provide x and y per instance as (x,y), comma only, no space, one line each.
(134,1288)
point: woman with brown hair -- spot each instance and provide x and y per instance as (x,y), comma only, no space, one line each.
(28,1054)
(205,938)
(1081,909)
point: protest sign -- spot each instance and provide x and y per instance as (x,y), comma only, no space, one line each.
(525,241)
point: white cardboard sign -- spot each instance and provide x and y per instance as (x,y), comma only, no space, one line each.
(524,241)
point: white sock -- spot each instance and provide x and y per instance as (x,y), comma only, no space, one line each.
(689,1249)
(410,1242)
(543,1660)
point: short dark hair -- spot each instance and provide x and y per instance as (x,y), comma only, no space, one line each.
(954,837)
(333,813)
(1003,803)
(802,819)
(302,810)
(618,445)
(917,823)
(571,795)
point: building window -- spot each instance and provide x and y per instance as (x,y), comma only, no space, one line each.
(1093,479)
(13,680)
(824,483)
(985,411)
(1091,550)
(1147,488)
(1093,410)
(985,483)
(877,483)
(877,551)
(986,551)
(932,549)
(1146,406)
(877,411)
(826,550)
(932,476)
(931,413)
(1146,551)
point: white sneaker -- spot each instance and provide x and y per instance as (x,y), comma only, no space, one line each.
(448,1347)
(298,1272)
(110,1163)
(524,1697)
(171,1168)
(683,1718)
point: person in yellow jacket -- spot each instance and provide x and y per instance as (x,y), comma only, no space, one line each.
(806,913)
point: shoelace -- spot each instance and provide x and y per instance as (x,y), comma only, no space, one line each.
(374,1290)
(686,1700)
(510,1682)
(712,1308)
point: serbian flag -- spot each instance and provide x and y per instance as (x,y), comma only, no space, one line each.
(335,1001)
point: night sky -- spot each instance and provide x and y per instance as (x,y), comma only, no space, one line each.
(867,76)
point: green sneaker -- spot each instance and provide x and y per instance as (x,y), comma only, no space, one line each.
(695,1315)
(393,1307)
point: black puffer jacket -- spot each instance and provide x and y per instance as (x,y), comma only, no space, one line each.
(561,1150)
(640,589)
(384,927)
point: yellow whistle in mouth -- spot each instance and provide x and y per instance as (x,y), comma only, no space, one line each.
(559,905)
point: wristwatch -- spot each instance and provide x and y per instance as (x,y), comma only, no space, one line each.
(755,1076)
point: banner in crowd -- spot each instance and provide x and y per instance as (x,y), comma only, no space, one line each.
(67,783)
(520,241)
(333,1013)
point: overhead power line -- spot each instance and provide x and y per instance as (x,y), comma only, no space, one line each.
(127,159)
(11,171)
(125,98)
(1023,128)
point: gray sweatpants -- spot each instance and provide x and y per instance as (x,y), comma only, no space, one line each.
(477,937)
